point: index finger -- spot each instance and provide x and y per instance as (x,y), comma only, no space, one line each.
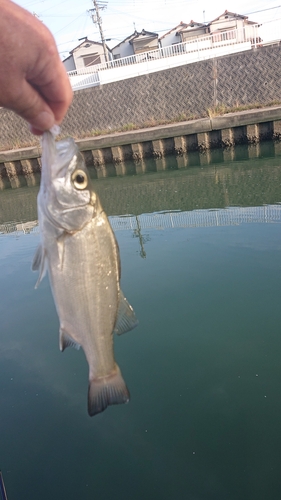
(52,83)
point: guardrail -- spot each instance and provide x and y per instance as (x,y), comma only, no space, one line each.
(198,49)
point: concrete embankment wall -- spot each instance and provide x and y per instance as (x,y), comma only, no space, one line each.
(174,94)
(235,181)
(198,135)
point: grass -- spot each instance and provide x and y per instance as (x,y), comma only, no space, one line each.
(218,110)
(152,122)
(223,109)
(17,144)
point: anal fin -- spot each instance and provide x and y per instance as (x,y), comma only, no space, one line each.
(126,318)
(106,391)
(67,341)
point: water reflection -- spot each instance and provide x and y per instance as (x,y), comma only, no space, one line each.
(203,367)
(249,183)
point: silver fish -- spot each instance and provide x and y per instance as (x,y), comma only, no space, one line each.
(80,252)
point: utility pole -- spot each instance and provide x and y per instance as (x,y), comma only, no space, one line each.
(96,18)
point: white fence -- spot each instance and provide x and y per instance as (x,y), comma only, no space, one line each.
(231,216)
(205,47)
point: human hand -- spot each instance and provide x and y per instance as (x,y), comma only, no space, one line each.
(33,80)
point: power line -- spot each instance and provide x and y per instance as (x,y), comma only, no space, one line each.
(263,10)
(117,11)
(69,23)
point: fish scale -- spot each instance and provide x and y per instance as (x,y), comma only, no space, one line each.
(81,254)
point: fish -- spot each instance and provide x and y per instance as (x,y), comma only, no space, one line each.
(79,251)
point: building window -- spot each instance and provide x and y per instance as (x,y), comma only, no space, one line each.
(91,59)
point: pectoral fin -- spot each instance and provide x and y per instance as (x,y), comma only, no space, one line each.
(39,264)
(126,318)
(60,246)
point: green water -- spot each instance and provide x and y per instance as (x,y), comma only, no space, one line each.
(201,265)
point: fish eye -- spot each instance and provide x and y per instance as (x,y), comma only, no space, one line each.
(79,179)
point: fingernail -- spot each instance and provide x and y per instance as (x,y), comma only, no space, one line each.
(43,121)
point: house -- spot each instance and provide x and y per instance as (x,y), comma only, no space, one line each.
(172,37)
(124,48)
(144,41)
(136,43)
(87,53)
(192,30)
(230,21)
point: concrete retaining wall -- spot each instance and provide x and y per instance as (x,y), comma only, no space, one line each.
(230,180)
(175,94)
(202,135)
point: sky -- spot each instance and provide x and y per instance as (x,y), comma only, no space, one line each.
(69,20)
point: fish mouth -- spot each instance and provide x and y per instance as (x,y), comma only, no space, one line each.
(57,157)
(66,154)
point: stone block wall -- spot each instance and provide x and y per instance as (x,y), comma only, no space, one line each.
(243,78)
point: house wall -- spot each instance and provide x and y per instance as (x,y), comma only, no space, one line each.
(141,44)
(223,24)
(83,51)
(192,33)
(123,50)
(247,77)
(249,32)
(145,44)
(170,38)
(69,64)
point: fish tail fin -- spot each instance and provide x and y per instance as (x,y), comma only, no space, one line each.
(106,391)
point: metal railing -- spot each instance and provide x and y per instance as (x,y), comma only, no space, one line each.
(204,47)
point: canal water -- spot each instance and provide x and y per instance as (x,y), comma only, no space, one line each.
(200,243)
